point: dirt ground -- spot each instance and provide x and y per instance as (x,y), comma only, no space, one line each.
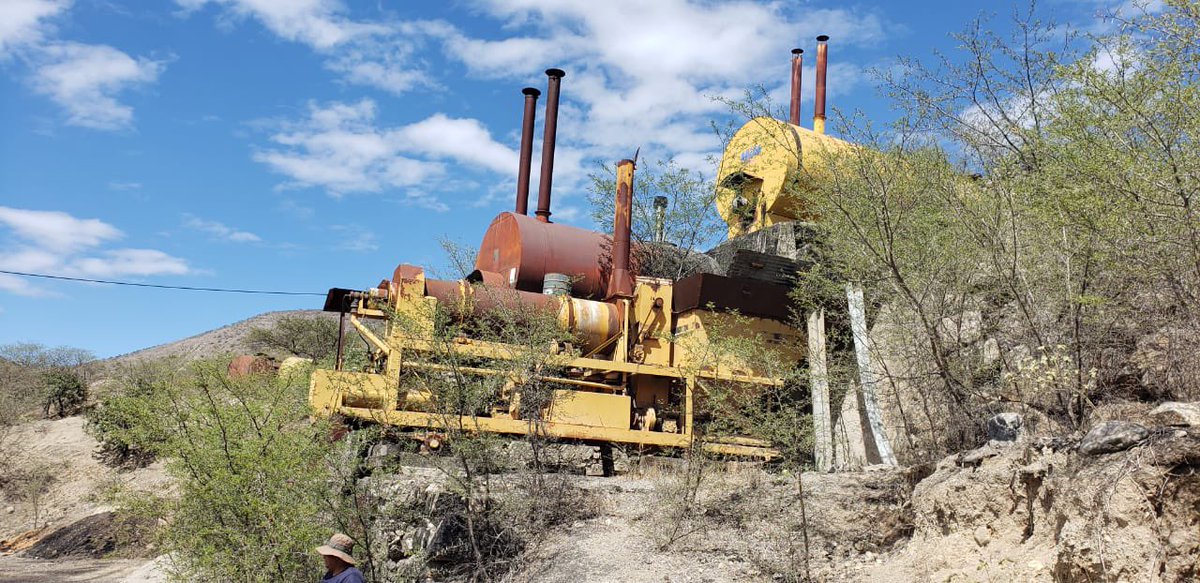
(1016,512)
(79,483)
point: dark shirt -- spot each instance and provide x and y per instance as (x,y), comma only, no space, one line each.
(350,575)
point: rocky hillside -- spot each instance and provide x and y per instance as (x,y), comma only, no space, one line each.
(229,339)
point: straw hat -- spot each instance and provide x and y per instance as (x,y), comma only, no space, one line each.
(339,546)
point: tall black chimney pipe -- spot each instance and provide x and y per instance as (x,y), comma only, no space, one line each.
(531,96)
(544,184)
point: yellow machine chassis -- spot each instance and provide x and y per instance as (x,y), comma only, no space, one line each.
(329,390)
(658,369)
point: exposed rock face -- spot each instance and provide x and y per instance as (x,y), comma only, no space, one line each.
(795,240)
(963,330)
(1027,513)
(1177,414)
(1168,362)
(1112,436)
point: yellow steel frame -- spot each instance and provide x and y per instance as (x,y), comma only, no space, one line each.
(329,399)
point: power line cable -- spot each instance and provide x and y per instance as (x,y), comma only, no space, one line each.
(158,286)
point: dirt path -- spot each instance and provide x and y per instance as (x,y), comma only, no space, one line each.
(14,569)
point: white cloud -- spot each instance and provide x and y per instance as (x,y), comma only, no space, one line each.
(119,262)
(57,243)
(341,148)
(376,54)
(318,23)
(84,80)
(26,22)
(20,286)
(220,230)
(57,231)
(464,140)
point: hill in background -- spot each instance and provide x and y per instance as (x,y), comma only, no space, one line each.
(229,339)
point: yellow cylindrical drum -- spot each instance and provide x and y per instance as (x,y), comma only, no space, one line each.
(766,169)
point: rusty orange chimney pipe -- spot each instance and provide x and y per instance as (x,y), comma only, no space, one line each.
(551,129)
(819,101)
(620,283)
(797,83)
(531,96)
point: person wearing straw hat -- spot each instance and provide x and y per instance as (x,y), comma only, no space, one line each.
(339,565)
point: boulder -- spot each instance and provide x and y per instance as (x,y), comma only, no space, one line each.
(1177,414)
(976,456)
(966,329)
(1004,426)
(1112,436)
(989,352)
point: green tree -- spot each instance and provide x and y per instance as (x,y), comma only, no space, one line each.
(35,377)
(130,421)
(1043,181)
(312,337)
(249,467)
(65,393)
(688,221)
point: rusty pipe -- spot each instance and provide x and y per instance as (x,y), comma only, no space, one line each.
(819,101)
(620,284)
(797,84)
(531,96)
(551,128)
(590,321)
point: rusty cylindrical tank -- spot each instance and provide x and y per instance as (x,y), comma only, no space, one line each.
(523,250)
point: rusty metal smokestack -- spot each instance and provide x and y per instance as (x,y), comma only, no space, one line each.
(531,96)
(797,83)
(551,127)
(819,101)
(620,283)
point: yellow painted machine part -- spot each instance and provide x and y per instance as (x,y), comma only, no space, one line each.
(694,351)
(765,171)
(437,422)
(591,321)
(652,319)
(590,409)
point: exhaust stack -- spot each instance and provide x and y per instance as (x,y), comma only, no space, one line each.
(620,284)
(797,83)
(551,129)
(531,96)
(819,101)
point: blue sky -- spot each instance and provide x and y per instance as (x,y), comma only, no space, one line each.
(306,144)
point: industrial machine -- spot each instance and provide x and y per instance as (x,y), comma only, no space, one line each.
(634,368)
